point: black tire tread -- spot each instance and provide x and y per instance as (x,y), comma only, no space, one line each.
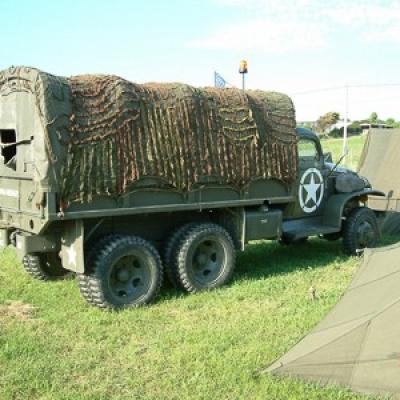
(83,281)
(183,246)
(349,240)
(90,283)
(171,270)
(33,265)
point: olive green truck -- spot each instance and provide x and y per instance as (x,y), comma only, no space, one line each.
(121,183)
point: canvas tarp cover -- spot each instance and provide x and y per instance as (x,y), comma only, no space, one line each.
(379,163)
(358,343)
(107,136)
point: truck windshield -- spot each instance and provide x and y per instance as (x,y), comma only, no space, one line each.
(308,150)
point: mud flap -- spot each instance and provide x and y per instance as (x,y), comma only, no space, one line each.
(72,254)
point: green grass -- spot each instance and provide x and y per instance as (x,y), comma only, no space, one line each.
(205,346)
(335,146)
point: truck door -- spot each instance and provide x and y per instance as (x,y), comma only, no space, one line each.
(311,184)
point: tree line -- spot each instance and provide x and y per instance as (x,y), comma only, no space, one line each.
(328,124)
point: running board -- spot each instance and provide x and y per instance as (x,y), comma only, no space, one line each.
(301,228)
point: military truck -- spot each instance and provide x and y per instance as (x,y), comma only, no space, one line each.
(121,183)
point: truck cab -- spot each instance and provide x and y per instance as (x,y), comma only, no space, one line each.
(325,195)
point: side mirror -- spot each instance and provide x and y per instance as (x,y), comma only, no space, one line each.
(328,157)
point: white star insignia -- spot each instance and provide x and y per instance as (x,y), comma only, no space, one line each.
(311,189)
(311,192)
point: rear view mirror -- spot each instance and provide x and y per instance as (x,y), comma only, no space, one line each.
(328,157)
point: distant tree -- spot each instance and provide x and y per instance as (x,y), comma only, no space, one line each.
(325,121)
(391,121)
(396,124)
(373,118)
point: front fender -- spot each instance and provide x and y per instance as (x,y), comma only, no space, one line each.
(334,207)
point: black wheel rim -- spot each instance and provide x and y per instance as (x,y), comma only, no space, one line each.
(130,278)
(365,234)
(207,260)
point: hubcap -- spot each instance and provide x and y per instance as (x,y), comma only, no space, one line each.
(208,260)
(129,278)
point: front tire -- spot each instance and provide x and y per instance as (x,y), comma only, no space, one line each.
(204,258)
(360,231)
(126,272)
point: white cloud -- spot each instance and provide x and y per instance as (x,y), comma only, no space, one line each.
(342,11)
(265,36)
(364,14)
(286,8)
(286,25)
(390,34)
(373,22)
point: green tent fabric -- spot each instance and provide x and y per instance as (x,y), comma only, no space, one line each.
(379,163)
(358,344)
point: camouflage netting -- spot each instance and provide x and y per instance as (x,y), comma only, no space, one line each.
(120,135)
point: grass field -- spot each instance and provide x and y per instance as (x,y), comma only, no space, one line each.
(335,146)
(205,346)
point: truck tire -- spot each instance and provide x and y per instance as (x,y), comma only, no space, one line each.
(45,267)
(169,251)
(125,272)
(204,258)
(360,231)
(92,249)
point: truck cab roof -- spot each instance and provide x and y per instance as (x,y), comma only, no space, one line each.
(307,133)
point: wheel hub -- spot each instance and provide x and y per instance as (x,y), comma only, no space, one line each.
(201,259)
(365,233)
(208,260)
(123,275)
(128,278)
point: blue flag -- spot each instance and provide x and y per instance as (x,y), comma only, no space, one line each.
(219,81)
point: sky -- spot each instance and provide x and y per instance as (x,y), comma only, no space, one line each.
(293,46)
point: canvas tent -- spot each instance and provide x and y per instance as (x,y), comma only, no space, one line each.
(358,343)
(379,162)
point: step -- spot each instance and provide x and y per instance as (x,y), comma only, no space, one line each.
(304,227)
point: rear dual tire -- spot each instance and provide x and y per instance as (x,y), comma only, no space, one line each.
(122,272)
(200,257)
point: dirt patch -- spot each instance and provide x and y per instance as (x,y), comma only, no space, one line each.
(17,309)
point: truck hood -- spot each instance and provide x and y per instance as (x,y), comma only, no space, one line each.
(339,169)
(346,180)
